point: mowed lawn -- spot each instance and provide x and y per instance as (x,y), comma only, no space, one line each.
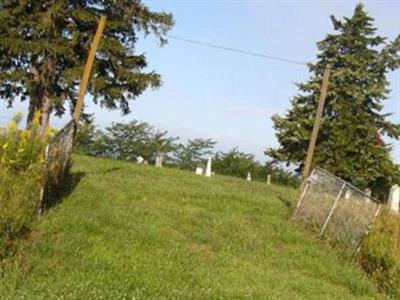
(129,231)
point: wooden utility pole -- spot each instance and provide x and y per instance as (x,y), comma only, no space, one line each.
(317,123)
(88,68)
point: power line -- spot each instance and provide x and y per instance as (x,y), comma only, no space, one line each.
(241,51)
(231,49)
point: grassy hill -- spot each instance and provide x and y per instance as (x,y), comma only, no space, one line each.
(137,232)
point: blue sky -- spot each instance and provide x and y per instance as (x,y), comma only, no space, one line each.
(231,97)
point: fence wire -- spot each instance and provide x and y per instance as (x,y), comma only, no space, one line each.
(57,161)
(336,210)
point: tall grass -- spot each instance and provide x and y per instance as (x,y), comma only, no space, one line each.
(21,175)
(380,254)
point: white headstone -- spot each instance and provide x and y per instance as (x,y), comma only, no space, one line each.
(269,179)
(368,193)
(347,195)
(208,168)
(199,171)
(139,160)
(159,160)
(248,176)
(394,198)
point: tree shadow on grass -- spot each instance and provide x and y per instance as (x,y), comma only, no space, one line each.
(286,202)
(110,170)
(56,194)
(113,169)
(289,204)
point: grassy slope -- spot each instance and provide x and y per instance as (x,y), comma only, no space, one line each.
(129,230)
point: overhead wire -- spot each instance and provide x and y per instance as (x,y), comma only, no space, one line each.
(230,49)
(241,51)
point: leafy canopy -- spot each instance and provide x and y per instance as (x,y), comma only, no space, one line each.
(125,141)
(193,153)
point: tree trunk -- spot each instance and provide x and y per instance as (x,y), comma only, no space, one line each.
(45,117)
(39,101)
(36,97)
(35,105)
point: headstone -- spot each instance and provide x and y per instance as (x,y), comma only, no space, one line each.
(394,198)
(248,176)
(347,195)
(269,179)
(145,162)
(199,171)
(139,160)
(368,193)
(159,160)
(208,168)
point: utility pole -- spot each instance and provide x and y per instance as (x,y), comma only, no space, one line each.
(88,68)
(317,123)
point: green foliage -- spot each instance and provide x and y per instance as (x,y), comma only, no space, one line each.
(349,142)
(134,231)
(279,175)
(128,141)
(21,150)
(193,153)
(44,46)
(164,145)
(235,163)
(19,203)
(238,164)
(21,175)
(125,141)
(380,254)
(85,138)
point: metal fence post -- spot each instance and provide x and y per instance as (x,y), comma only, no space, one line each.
(332,210)
(303,194)
(304,190)
(378,210)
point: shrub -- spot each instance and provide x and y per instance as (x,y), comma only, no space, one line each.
(21,175)
(380,254)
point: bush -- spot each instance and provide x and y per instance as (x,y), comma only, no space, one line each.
(380,254)
(21,176)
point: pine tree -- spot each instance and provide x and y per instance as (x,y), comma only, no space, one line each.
(44,46)
(349,142)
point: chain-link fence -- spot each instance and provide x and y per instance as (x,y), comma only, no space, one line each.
(57,161)
(336,210)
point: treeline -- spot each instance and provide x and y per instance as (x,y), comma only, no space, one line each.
(128,141)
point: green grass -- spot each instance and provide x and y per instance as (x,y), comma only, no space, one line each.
(134,231)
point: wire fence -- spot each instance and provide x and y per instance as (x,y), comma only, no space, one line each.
(336,210)
(57,162)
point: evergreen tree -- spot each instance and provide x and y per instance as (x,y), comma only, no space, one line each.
(349,142)
(44,46)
